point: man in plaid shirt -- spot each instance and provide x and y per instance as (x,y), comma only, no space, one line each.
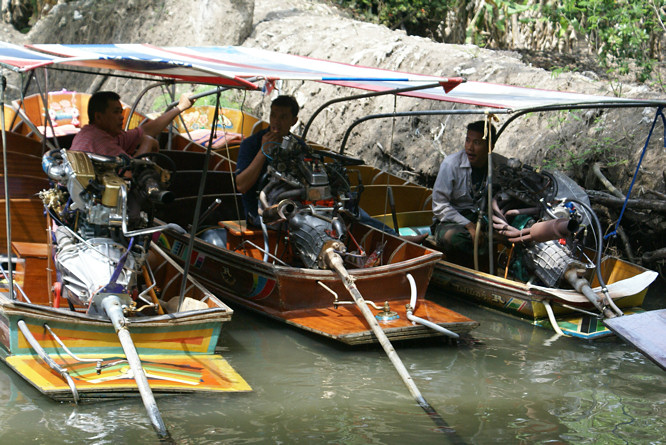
(105,135)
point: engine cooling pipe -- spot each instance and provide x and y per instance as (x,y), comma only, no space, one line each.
(47,359)
(147,231)
(548,230)
(497,212)
(525,211)
(263,200)
(281,211)
(153,191)
(538,233)
(414,319)
(53,166)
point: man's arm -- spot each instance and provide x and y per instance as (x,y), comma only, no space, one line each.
(442,194)
(247,177)
(250,175)
(154,127)
(148,144)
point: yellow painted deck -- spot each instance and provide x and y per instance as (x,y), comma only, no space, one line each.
(166,374)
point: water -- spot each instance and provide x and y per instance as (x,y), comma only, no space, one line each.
(509,383)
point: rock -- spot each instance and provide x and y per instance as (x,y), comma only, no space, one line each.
(165,23)
(16,12)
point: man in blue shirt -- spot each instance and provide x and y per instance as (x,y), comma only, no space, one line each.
(251,164)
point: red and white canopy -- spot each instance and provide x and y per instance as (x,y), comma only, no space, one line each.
(252,68)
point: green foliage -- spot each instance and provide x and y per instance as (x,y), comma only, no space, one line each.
(557,71)
(574,148)
(417,17)
(622,33)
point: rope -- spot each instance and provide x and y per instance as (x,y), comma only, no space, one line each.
(626,200)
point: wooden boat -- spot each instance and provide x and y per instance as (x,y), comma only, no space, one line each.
(177,350)
(316,299)
(237,271)
(70,352)
(94,310)
(554,308)
(558,307)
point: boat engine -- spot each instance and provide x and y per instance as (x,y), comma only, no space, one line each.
(547,216)
(308,197)
(102,211)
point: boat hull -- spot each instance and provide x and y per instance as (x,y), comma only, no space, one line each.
(316,300)
(530,302)
(177,354)
(177,350)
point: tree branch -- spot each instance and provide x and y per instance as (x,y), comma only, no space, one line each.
(597,196)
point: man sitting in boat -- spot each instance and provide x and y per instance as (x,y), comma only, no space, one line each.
(251,164)
(105,135)
(459,194)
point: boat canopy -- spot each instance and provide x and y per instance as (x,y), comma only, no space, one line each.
(513,98)
(231,66)
(253,68)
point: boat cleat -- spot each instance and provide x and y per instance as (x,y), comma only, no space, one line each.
(387,314)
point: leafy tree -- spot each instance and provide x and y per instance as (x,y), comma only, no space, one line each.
(618,32)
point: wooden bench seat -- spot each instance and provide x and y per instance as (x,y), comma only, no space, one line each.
(32,268)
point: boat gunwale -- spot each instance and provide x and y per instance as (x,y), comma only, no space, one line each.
(525,291)
(18,308)
(275,270)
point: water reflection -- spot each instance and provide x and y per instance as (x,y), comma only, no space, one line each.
(510,383)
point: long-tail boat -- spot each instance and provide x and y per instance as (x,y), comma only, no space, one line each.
(90,307)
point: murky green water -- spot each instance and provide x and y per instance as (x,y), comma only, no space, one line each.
(511,383)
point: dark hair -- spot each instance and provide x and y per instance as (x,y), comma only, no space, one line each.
(480,127)
(99,102)
(286,102)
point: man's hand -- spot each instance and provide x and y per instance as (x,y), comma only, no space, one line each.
(471,228)
(154,127)
(271,137)
(148,145)
(185,102)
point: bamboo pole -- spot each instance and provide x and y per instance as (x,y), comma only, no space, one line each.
(113,309)
(334,262)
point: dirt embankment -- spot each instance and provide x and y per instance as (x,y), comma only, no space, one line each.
(412,146)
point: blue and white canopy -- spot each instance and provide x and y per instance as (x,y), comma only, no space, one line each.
(252,68)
